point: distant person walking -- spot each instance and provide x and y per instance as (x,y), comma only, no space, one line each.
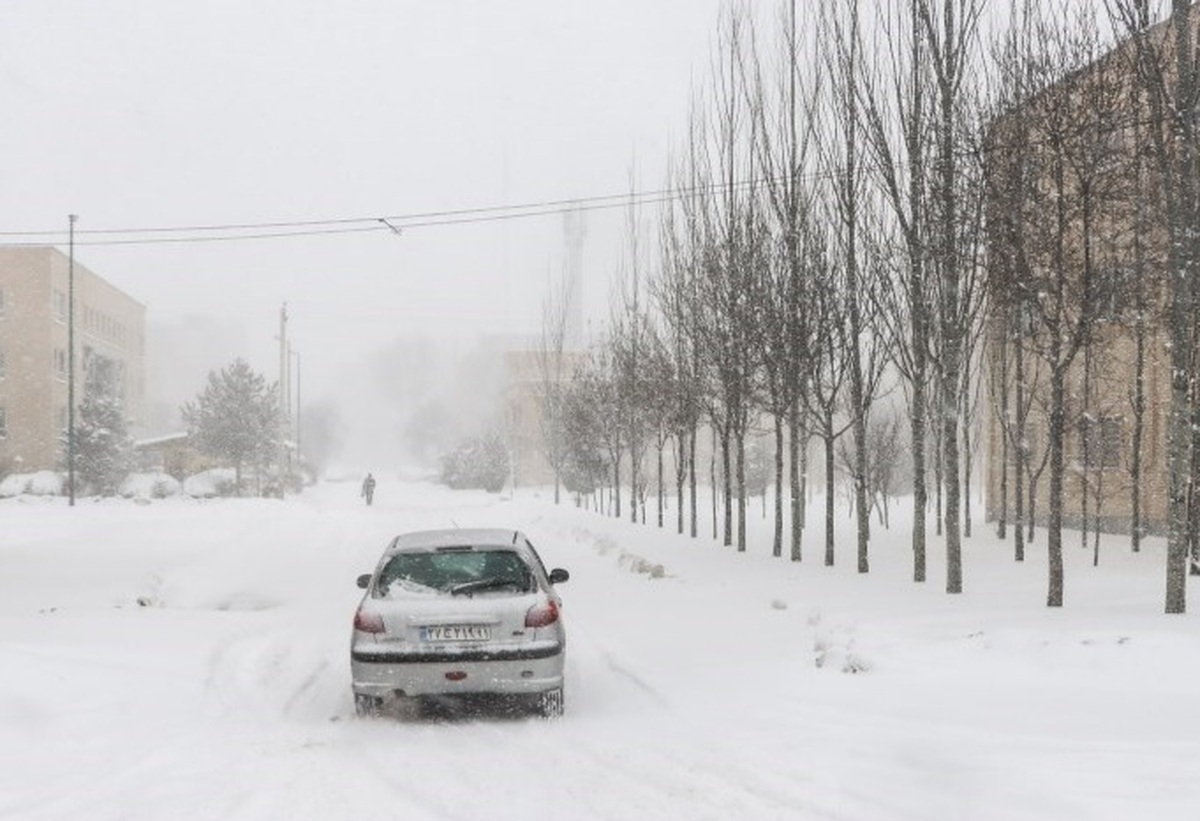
(368,488)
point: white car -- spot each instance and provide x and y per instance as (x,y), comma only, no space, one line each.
(459,612)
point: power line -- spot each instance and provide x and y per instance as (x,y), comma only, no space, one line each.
(228,232)
(230,238)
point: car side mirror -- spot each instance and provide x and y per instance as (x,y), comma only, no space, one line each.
(364,581)
(558,575)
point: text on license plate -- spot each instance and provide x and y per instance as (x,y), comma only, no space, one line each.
(456,632)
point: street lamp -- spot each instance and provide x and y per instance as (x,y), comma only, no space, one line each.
(71,358)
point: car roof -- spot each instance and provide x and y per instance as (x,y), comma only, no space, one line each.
(457,537)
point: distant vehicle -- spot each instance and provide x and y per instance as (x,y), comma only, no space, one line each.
(459,612)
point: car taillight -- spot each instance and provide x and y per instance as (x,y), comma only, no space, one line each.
(368,622)
(541,615)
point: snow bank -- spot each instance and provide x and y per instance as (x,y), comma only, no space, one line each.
(42,483)
(150,486)
(210,483)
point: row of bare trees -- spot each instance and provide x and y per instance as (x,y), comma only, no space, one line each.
(857,201)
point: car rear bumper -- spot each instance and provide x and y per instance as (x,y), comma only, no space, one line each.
(531,668)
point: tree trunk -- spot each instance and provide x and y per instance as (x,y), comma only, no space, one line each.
(966,456)
(740,446)
(1085,448)
(727,487)
(662,489)
(939,469)
(712,469)
(777,542)
(1139,402)
(951,331)
(1005,431)
(1021,455)
(616,488)
(829,446)
(1054,596)
(692,502)
(796,489)
(920,485)
(681,470)
(1183,269)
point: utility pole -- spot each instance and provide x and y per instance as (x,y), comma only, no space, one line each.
(71,359)
(283,398)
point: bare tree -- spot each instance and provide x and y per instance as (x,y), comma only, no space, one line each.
(895,113)
(673,292)
(727,286)
(786,129)
(556,311)
(950,28)
(829,366)
(842,150)
(1009,184)
(630,336)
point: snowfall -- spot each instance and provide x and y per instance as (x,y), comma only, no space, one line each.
(188,659)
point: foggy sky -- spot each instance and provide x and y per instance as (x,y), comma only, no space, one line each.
(161,113)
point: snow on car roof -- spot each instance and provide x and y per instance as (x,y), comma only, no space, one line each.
(456,537)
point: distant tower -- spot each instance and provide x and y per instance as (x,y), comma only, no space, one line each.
(574,233)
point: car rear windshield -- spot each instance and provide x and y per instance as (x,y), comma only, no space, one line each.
(457,572)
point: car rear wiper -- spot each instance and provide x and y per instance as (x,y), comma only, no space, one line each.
(476,585)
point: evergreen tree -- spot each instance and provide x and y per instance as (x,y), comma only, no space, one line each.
(103,447)
(235,418)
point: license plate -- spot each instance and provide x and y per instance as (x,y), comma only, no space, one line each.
(456,632)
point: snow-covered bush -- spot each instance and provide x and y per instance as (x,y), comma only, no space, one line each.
(210,483)
(12,485)
(150,486)
(478,462)
(42,483)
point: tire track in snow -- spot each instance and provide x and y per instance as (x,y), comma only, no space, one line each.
(664,772)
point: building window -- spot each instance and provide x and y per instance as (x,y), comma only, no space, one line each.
(60,306)
(60,364)
(3,423)
(1100,441)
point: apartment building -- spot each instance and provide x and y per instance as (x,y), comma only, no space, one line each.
(1078,334)
(110,342)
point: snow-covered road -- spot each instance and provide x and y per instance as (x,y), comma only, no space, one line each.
(188,660)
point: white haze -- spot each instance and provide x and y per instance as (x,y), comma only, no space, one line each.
(165,114)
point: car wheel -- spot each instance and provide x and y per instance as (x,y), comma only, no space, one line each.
(367,706)
(550,703)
